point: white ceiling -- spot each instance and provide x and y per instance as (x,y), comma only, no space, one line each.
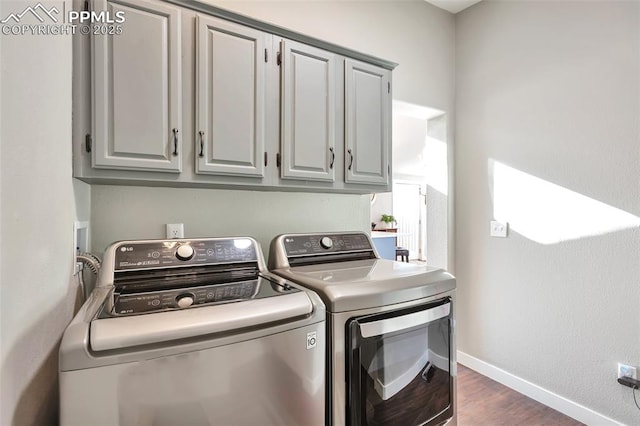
(453,6)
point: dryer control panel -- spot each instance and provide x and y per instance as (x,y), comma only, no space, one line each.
(312,244)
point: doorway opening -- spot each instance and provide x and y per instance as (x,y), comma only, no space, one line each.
(409,210)
(419,199)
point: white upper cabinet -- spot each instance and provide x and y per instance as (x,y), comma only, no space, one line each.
(367,123)
(136,89)
(308,112)
(230,98)
(187,94)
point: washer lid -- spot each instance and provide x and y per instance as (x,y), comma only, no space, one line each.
(362,284)
(123,332)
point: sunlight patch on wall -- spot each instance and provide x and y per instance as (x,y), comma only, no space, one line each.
(419,145)
(434,159)
(421,112)
(548,213)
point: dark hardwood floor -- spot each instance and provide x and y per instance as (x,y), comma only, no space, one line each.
(484,402)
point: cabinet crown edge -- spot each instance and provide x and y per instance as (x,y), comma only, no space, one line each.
(228,15)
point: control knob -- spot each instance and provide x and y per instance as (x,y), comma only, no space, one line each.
(185,252)
(185,300)
(326,242)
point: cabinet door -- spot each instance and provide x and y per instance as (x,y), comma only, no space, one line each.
(367,123)
(230,127)
(308,112)
(137,89)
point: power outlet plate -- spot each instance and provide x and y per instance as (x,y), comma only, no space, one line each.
(499,229)
(175,230)
(81,236)
(80,241)
(625,370)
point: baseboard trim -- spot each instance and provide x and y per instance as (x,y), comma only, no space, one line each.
(533,391)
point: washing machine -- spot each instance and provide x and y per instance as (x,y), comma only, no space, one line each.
(390,328)
(193,332)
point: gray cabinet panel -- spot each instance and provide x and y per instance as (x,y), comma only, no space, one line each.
(308,112)
(230,83)
(367,123)
(137,89)
(216,81)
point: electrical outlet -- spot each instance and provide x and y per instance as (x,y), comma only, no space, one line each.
(625,370)
(81,236)
(175,230)
(498,229)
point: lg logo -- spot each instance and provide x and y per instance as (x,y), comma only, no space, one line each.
(311,340)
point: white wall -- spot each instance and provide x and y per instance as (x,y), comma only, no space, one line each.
(439,242)
(37,293)
(415,34)
(208,213)
(551,90)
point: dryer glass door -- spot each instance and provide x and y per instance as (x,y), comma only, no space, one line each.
(399,366)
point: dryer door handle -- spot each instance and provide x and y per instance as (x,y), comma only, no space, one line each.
(377,328)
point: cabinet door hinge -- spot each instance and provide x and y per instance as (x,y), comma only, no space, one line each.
(278,160)
(87,142)
(266,55)
(265,159)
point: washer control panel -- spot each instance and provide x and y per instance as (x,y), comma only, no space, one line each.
(169,253)
(301,245)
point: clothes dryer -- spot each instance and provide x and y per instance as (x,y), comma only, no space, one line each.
(390,328)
